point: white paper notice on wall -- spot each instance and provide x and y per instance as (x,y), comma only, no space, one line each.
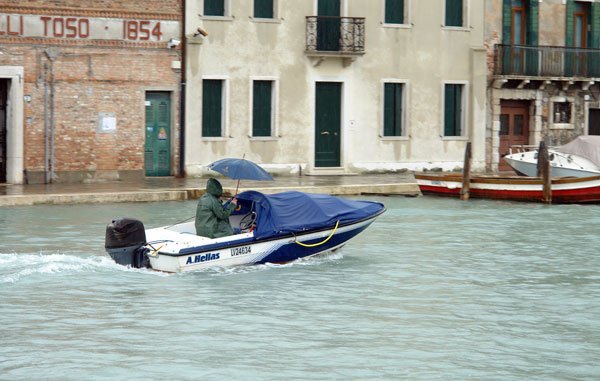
(107,122)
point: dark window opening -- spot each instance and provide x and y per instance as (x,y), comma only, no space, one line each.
(214,7)
(212,107)
(394,11)
(454,13)
(392,109)
(562,112)
(263,9)
(262,110)
(453,109)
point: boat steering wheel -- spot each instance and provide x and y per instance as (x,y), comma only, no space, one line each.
(248,221)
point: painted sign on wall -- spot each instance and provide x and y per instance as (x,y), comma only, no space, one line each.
(87,28)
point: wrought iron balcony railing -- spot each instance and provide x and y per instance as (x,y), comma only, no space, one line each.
(546,61)
(344,35)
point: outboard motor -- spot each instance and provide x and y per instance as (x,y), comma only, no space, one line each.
(125,238)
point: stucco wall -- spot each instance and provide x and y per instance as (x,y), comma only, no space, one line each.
(421,53)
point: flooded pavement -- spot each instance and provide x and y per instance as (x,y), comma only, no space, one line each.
(171,188)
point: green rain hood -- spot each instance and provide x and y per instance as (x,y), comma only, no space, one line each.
(212,220)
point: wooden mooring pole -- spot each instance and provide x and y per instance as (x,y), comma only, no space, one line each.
(466,184)
(543,170)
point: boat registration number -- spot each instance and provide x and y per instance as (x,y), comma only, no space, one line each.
(240,250)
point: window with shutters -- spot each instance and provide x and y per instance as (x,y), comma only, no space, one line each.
(213,109)
(216,8)
(455,10)
(262,108)
(454,109)
(395,12)
(393,109)
(264,9)
(520,22)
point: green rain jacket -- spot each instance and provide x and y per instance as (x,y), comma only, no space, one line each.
(212,220)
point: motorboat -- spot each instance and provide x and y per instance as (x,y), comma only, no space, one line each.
(566,190)
(578,158)
(275,228)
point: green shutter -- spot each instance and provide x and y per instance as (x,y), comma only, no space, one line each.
(570,57)
(569,23)
(392,109)
(452,109)
(506,21)
(595,23)
(328,28)
(448,110)
(263,9)
(212,107)
(506,35)
(261,108)
(214,7)
(594,62)
(533,17)
(532,37)
(454,13)
(394,11)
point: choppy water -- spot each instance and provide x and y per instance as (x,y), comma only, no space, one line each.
(434,289)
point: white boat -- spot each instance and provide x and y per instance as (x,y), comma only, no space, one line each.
(578,158)
(274,228)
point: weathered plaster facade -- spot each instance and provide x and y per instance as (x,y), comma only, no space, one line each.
(421,53)
(554,80)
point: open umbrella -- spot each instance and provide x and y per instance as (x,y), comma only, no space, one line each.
(240,169)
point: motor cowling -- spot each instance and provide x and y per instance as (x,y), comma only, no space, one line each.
(124,241)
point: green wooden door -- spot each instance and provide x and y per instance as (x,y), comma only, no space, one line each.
(328,25)
(328,119)
(157,158)
(3,91)
(3,95)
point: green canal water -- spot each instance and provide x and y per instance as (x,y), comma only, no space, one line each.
(434,289)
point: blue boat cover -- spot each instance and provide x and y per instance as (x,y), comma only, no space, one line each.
(290,212)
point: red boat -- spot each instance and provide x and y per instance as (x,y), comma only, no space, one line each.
(565,190)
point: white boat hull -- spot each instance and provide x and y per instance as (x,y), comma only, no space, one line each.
(168,247)
(562,165)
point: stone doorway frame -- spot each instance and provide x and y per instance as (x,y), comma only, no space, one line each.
(14,123)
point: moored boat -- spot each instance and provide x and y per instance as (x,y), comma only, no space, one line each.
(516,188)
(274,228)
(578,158)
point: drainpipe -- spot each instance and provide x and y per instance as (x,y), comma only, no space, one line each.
(51,122)
(52,53)
(46,127)
(182,97)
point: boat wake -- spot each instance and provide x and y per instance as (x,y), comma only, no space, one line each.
(17,267)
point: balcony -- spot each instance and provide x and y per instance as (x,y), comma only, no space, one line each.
(330,36)
(557,63)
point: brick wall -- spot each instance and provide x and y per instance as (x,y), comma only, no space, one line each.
(90,77)
(123,6)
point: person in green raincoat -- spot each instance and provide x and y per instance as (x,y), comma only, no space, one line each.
(212,218)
